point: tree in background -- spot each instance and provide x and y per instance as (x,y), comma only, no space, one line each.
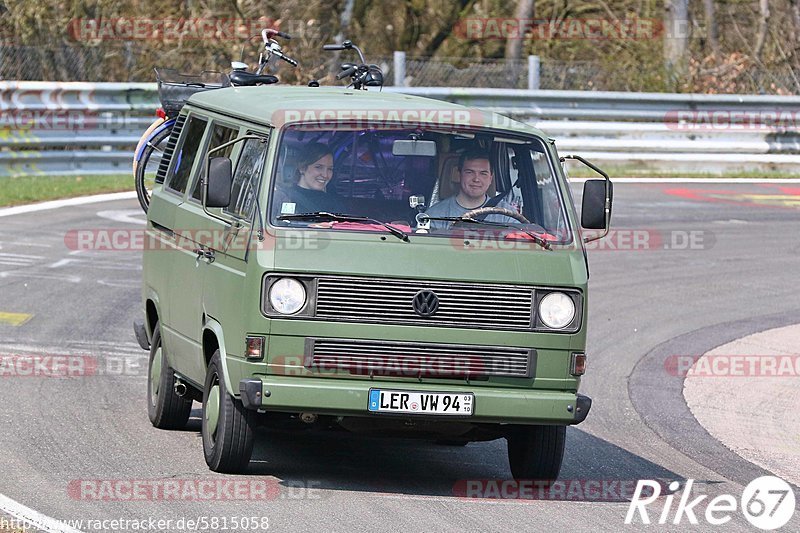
(525,10)
(721,45)
(676,40)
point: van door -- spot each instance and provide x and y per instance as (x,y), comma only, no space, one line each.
(228,295)
(222,241)
(166,255)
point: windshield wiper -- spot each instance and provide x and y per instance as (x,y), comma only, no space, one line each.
(537,239)
(324,215)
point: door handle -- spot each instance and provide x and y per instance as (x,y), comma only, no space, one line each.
(205,253)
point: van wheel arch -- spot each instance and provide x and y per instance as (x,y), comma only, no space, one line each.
(213,339)
(151,316)
(210,345)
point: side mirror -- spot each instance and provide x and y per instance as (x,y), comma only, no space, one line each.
(593,205)
(596,203)
(218,185)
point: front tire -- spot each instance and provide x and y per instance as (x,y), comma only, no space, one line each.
(165,409)
(227,426)
(536,452)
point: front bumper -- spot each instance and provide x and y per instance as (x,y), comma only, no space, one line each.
(349,398)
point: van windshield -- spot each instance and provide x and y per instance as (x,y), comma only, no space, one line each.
(503,184)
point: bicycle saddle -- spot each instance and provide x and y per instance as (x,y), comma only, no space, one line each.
(244,78)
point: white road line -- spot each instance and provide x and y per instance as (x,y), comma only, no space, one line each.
(21,256)
(105,343)
(122,284)
(126,216)
(73,346)
(35,244)
(34,518)
(55,204)
(14,273)
(61,262)
(101,265)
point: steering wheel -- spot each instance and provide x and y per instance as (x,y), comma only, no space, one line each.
(496,211)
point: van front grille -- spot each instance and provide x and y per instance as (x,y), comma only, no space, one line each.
(390,301)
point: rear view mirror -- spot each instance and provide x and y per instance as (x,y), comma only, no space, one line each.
(596,203)
(220,179)
(593,205)
(414,148)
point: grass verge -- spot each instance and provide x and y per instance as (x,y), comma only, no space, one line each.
(29,189)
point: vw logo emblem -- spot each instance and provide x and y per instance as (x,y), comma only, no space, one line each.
(425,303)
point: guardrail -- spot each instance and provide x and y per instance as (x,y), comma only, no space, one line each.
(91,128)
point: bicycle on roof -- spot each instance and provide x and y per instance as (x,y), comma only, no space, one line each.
(175,89)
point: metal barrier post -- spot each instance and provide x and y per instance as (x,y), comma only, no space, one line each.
(399,69)
(533,73)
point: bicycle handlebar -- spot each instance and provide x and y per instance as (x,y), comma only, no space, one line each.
(272,48)
(286,58)
(346,45)
(346,73)
(267,33)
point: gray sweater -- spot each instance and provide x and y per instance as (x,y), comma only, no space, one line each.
(451,208)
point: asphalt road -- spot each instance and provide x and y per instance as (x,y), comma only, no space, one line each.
(692,268)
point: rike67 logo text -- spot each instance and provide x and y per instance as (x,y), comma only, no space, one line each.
(767,502)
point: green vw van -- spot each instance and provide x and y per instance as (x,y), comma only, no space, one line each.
(380,263)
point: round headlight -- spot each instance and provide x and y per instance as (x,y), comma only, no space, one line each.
(287,296)
(556,310)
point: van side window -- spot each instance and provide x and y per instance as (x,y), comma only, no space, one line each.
(186,154)
(246,178)
(219,135)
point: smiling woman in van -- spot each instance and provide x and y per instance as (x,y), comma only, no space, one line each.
(308,193)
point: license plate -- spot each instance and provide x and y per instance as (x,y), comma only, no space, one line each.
(414,402)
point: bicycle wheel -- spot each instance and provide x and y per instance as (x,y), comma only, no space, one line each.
(147,166)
